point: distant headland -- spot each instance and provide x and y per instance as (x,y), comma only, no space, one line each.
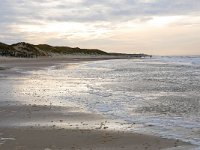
(28,50)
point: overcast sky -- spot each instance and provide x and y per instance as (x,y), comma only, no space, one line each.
(161,27)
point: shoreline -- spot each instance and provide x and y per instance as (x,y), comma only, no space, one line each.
(7,63)
(63,126)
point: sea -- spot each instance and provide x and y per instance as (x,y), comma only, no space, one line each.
(158,96)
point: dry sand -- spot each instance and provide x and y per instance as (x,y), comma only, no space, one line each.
(49,127)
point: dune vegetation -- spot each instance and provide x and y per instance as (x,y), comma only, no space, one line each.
(23,49)
(28,50)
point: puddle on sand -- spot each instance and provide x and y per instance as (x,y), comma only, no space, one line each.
(4,139)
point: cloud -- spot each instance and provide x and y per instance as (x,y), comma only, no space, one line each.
(80,22)
(92,10)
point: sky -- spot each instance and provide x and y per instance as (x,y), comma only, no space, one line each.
(157,27)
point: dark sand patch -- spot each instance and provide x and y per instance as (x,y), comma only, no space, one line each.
(3,68)
(66,139)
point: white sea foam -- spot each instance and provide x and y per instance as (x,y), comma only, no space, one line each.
(161,95)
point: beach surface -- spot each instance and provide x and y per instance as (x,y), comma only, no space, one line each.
(32,122)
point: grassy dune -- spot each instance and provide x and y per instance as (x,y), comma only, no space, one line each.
(29,50)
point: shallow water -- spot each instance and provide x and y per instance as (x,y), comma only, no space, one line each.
(159,96)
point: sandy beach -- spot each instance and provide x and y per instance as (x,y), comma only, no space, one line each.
(35,124)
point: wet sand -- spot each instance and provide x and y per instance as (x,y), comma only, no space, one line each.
(50,127)
(63,139)
(32,127)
